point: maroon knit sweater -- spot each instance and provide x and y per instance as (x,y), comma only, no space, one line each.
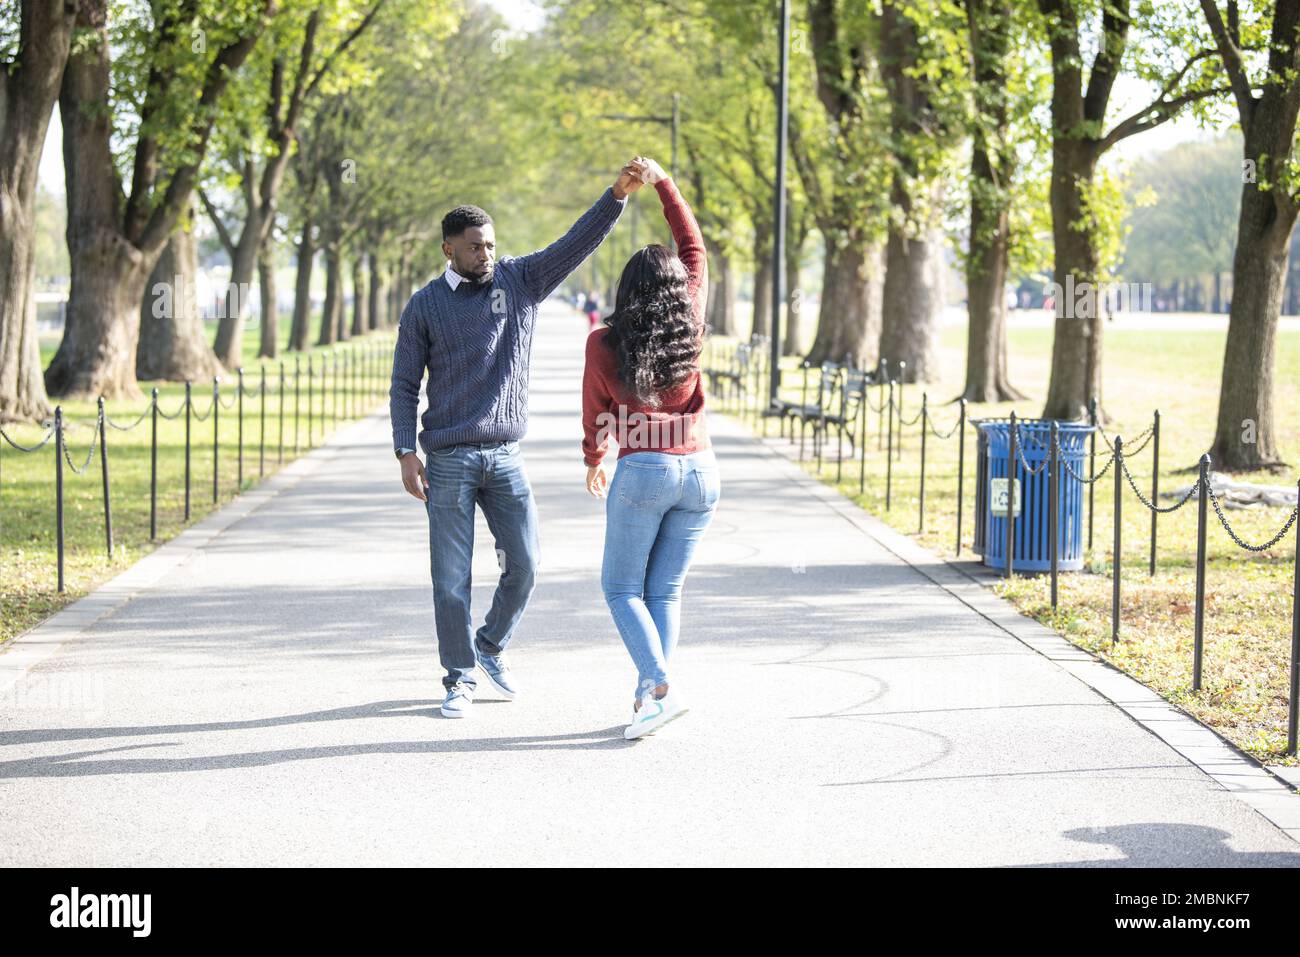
(677,425)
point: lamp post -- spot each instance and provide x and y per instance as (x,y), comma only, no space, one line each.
(778,240)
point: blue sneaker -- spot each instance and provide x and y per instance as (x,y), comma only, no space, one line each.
(458,701)
(498,673)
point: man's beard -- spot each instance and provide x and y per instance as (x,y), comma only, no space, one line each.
(482,280)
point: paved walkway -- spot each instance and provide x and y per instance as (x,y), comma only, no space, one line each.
(268,695)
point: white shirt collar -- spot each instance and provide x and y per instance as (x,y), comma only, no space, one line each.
(454,278)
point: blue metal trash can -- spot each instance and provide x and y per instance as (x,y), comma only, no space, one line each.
(1030,504)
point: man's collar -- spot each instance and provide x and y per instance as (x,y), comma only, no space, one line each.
(454,278)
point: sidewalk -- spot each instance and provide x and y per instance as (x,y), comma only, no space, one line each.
(269,696)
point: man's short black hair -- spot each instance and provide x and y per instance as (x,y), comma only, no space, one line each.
(462,218)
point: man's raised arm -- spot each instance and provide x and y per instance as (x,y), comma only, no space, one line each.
(545,269)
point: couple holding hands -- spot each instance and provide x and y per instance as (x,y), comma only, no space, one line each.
(472,329)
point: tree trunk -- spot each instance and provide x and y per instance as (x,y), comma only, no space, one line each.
(849,321)
(230,329)
(1244,435)
(721,310)
(27,96)
(173,343)
(986,277)
(299,328)
(269,344)
(376,293)
(912,304)
(793,333)
(1076,342)
(329,320)
(97,353)
(359,322)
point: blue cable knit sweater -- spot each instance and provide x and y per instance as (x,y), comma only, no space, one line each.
(476,342)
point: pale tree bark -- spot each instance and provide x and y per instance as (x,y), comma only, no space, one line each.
(848,321)
(376,293)
(115,238)
(720,313)
(912,304)
(993,166)
(1245,437)
(262,191)
(330,315)
(1079,140)
(359,322)
(269,343)
(29,87)
(173,343)
(793,332)
(299,328)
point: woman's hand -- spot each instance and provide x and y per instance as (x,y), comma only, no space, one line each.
(651,172)
(597,480)
(629,181)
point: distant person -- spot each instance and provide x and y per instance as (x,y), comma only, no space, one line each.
(592,308)
(472,330)
(642,387)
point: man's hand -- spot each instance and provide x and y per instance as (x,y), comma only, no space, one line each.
(651,172)
(413,476)
(597,480)
(629,181)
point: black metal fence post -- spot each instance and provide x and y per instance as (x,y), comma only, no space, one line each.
(153,466)
(1293,717)
(1053,506)
(1011,496)
(311,405)
(902,379)
(1092,463)
(1116,545)
(1155,483)
(261,440)
(281,414)
(58,488)
(1198,641)
(862,440)
(103,462)
(189,408)
(889,450)
(880,418)
(216,438)
(961,466)
(925,399)
(240,400)
(297,391)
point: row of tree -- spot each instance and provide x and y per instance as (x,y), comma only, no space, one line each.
(343,127)
(347,127)
(905,115)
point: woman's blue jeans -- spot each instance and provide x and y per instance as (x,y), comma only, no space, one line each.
(656,511)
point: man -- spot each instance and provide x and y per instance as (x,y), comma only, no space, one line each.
(472,328)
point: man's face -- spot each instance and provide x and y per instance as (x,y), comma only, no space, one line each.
(473,253)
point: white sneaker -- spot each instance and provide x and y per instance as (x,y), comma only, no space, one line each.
(654,713)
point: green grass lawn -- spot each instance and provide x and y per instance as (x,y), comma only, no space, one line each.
(1248,595)
(28,550)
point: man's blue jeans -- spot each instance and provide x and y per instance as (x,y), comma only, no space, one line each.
(657,509)
(491,476)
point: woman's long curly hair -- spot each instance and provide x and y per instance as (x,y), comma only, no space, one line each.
(653,330)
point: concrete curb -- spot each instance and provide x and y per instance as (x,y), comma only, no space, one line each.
(1265,789)
(37,644)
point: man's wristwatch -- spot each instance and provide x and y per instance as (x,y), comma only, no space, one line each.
(403,451)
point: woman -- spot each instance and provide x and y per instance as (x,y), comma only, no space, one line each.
(642,387)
